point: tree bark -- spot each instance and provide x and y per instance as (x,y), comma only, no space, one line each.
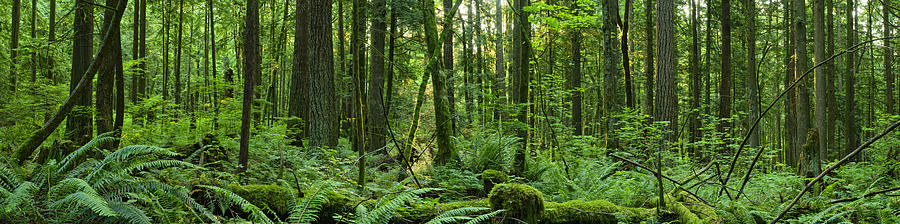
(251,70)
(830,79)
(888,61)
(850,129)
(626,62)
(500,65)
(299,102)
(376,120)
(177,73)
(800,53)
(820,77)
(78,125)
(666,92)
(575,83)
(446,150)
(725,81)
(612,73)
(521,69)
(752,76)
(14,44)
(649,59)
(693,118)
(106,77)
(322,113)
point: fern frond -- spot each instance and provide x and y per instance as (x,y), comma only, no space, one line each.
(78,153)
(456,215)
(255,212)
(384,212)
(485,217)
(91,201)
(307,207)
(130,212)
(24,192)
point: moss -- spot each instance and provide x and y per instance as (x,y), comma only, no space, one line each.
(685,215)
(277,198)
(421,213)
(599,211)
(520,201)
(491,177)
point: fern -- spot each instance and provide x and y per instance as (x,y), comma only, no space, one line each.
(485,217)
(307,207)
(92,201)
(456,215)
(131,213)
(23,193)
(386,208)
(255,212)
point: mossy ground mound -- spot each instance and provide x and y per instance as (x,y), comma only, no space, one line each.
(489,178)
(599,211)
(278,199)
(520,201)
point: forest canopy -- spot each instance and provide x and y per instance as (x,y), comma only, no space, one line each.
(458,111)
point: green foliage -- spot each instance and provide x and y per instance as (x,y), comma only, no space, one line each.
(489,178)
(273,198)
(598,211)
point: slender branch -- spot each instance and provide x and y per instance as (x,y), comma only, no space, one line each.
(677,184)
(864,196)
(835,166)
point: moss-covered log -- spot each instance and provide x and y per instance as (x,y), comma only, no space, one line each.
(599,211)
(520,201)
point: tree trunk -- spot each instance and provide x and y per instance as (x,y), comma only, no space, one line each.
(612,71)
(626,62)
(212,48)
(694,117)
(649,68)
(830,79)
(106,77)
(820,77)
(800,53)
(358,73)
(322,113)
(165,51)
(299,102)
(888,62)
(251,70)
(725,81)
(790,106)
(500,65)
(446,150)
(34,59)
(14,44)
(377,121)
(392,34)
(575,83)
(752,76)
(521,70)
(666,92)
(850,82)
(177,73)
(51,37)
(78,126)
(448,64)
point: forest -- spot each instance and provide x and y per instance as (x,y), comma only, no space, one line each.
(458,111)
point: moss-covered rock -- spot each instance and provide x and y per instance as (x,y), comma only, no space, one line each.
(599,211)
(492,177)
(520,201)
(276,198)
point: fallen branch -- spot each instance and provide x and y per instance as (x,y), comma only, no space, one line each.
(864,196)
(838,164)
(677,184)
(37,138)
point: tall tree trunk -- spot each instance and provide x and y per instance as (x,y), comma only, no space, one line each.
(626,62)
(358,73)
(575,82)
(800,53)
(612,73)
(78,126)
(377,121)
(142,49)
(694,117)
(251,70)
(299,102)
(212,48)
(725,81)
(448,63)
(178,53)
(666,92)
(446,150)
(649,68)
(500,65)
(790,106)
(830,79)
(752,76)
(51,37)
(392,34)
(33,37)
(521,70)
(888,61)
(322,113)
(106,77)
(14,43)
(165,51)
(815,158)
